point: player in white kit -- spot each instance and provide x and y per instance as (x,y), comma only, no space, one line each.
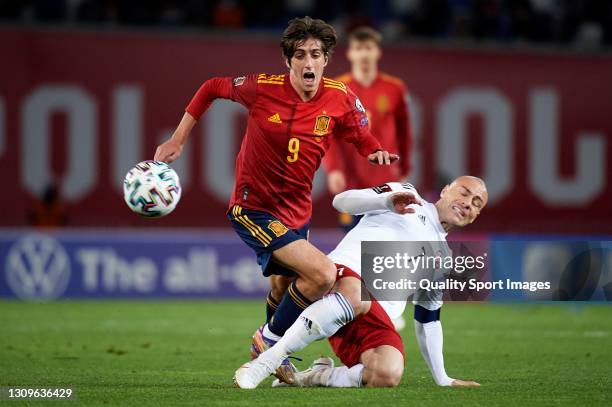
(361,332)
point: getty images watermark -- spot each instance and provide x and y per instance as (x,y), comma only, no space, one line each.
(510,270)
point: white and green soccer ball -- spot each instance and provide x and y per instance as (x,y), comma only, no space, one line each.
(152,189)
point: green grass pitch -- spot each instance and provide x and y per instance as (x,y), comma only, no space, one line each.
(184,353)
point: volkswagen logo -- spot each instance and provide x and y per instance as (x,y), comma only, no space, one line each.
(37,268)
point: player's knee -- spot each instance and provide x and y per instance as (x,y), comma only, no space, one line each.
(350,288)
(324,277)
(388,377)
(360,307)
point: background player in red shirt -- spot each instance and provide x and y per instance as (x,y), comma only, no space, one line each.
(384,98)
(291,120)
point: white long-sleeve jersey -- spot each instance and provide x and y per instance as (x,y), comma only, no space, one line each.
(380,223)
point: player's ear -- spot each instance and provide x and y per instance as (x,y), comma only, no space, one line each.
(326,57)
(443,192)
(287,62)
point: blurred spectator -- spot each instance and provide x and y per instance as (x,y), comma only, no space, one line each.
(431,19)
(173,13)
(582,23)
(49,10)
(228,14)
(48,211)
(96,11)
(300,7)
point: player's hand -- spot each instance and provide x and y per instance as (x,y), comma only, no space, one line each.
(381,157)
(401,200)
(465,383)
(168,151)
(336,182)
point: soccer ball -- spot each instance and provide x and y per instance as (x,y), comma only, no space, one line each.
(151,189)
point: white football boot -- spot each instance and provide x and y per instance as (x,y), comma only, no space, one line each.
(249,375)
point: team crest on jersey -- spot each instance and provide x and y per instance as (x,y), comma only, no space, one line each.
(321,125)
(239,80)
(382,104)
(277,228)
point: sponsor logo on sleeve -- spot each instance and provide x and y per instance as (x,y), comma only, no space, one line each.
(382,189)
(239,80)
(408,185)
(359,106)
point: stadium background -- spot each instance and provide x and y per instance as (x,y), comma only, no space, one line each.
(517,92)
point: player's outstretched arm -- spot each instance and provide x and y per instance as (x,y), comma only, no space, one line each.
(171,149)
(392,196)
(241,89)
(428,329)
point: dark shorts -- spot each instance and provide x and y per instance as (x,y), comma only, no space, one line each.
(368,331)
(264,233)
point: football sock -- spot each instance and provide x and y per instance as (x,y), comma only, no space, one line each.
(267,334)
(343,376)
(320,320)
(288,311)
(271,306)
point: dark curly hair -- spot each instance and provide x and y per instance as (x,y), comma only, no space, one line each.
(300,29)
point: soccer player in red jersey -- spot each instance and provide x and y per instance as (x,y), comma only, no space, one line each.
(290,123)
(384,98)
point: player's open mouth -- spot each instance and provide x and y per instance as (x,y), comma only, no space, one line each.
(458,212)
(309,78)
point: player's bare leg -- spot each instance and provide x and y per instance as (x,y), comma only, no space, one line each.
(382,367)
(279,285)
(316,272)
(315,277)
(351,289)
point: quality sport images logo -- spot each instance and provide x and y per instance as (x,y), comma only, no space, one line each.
(37,268)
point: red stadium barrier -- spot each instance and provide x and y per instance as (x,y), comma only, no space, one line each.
(82,107)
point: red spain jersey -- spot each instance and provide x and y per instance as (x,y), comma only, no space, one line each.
(286,139)
(386,107)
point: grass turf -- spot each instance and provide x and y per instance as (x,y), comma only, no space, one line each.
(185,353)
